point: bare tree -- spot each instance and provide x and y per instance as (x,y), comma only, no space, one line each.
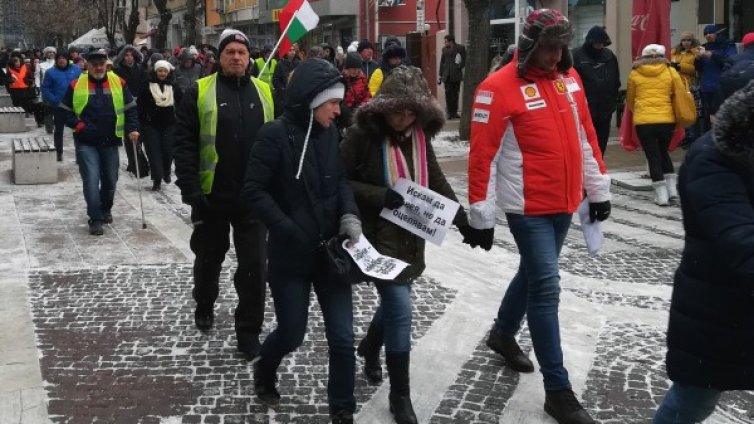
(57,29)
(160,38)
(477,58)
(129,28)
(109,16)
(189,22)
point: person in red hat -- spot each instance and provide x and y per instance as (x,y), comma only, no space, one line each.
(748,54)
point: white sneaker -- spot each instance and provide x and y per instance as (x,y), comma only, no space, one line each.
(661,193)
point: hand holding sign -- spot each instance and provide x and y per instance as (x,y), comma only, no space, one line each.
(424,213)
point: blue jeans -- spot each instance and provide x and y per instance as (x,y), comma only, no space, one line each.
(393,317)
(291,297)
(685,404)
(98,166)
(535,291)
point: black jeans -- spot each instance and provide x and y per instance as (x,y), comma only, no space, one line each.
(291,297)
(602,128)
(59,115)
(159,142)
(655,140)
(210,242)
(451,97)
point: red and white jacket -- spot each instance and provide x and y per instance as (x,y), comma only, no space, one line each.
(533,146)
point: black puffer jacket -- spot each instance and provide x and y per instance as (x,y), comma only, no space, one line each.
(299,213)
(599,72)
(711,328)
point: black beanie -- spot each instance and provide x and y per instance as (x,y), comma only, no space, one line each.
(353,60)
(230,35)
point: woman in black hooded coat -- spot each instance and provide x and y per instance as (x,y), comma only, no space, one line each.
(297,186)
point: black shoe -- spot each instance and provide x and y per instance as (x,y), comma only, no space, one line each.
(400,387)
(369,349)
(107,217)
(264,386)
(156,186)
(565,408)
(167,179)
(248,344)
(509,349)
(95,228)
(342,417)
(204,316)
(60,157)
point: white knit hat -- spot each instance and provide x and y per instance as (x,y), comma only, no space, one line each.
(335,91)
(653,50)
(163,64)
(49,49)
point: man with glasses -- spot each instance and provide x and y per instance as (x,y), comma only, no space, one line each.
(100,111)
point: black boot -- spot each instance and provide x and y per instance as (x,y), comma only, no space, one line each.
(509,349)
(400,387)
(369,349)
(248,344)
(156,185)
(342,417)
(565,408)
(204,316)
(264,383)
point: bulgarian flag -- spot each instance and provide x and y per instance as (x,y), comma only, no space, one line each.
(296,19)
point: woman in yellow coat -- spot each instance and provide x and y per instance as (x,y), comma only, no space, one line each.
(649,96)
(682,59)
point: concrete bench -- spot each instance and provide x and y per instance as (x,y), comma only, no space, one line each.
(34,161)
(5,100)
(12,120)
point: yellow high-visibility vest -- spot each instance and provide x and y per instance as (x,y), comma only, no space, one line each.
(81,98)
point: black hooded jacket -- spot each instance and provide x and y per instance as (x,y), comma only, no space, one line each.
(149,113)
(134,75)
(300,213)
(599,73)
(239,117)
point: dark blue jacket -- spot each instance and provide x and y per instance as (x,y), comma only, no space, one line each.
(746,55)
(712,67)
(96,126)
(711,327)
(56,82)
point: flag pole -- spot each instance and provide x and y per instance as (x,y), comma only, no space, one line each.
(280,40)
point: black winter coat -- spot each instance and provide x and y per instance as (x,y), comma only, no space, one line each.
(711,329)
(449,70)
(134,76)
(239,116)
(601,77)
(280,82)
(151,115)
(302,213)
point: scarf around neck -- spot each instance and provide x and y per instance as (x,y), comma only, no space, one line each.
(162,97)
(395,162)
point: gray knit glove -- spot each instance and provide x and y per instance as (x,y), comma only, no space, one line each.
(350,226)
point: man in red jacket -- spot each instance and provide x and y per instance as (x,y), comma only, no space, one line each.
(534,153)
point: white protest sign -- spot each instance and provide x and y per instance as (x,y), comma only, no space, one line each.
(425,213)
(371,262)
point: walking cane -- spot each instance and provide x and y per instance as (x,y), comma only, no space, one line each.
(138,181)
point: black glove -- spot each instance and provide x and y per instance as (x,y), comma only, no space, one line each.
(474,237)
(393,199)
(676,65)
(599,211)
(199,207)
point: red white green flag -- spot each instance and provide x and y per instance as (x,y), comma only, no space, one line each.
(297,26)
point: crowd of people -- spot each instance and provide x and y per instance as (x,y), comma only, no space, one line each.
(286,154)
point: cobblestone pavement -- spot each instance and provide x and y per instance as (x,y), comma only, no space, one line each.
(101,329)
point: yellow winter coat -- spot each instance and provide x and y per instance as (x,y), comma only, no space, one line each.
(650,90)
(686,64)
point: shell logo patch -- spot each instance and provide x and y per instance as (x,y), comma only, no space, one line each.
(530,91)
(560,86)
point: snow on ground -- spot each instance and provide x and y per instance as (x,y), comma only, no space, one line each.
(448,144)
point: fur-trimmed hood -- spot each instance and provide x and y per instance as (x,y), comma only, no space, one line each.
(138,57)
(650,67)
(733,132)
(404,89)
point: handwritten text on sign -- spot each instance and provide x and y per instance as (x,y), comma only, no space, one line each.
(425,213)
(371,262)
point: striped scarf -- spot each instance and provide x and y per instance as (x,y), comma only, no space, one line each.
(395,163)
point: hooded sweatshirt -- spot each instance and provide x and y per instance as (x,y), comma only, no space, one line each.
(599,72)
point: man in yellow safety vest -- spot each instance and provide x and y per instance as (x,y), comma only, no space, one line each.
(258,64)
(100,110)
(216,125)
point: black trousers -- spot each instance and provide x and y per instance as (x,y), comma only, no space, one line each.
(210,242)
(159,143)
(451,97)
(655,140)
(602,128)
(58,116)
